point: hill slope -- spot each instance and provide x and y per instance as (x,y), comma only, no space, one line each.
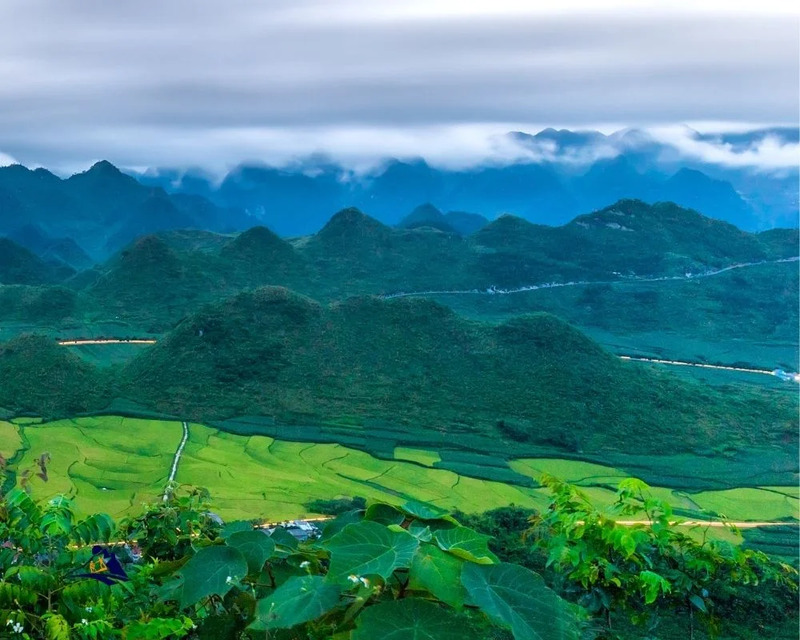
(20,266)
(416,363)
(41,377)
(102,209)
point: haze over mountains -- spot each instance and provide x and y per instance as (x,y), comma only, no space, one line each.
(96,212)
(555,176)
(547,178)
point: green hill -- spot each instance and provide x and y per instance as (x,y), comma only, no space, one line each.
(160,279)
(20,266)
(628,238)
(102,209)
(415,363)
(40,377)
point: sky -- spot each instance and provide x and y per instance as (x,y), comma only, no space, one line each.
(212,83)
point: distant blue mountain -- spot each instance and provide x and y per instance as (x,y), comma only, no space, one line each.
(97,212)
(567,173)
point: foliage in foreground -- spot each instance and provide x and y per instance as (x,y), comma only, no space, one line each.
(378,572)
(658,580)
(382,572)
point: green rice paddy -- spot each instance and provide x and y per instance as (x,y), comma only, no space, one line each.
(108,464)
(113,464)
(10,439)
(260,477)
(421,456)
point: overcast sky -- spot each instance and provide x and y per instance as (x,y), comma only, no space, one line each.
(216,82)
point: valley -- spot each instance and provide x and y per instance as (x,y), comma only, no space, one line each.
(268,479)
(412,363)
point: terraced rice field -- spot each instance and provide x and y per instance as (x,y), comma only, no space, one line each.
(107,464)
(421,456)
(259,477)
(741,504)
(10,439)
(113,464)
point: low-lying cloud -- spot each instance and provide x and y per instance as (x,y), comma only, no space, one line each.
(217,82)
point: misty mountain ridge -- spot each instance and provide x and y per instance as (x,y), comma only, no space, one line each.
(558,175)
(101,210)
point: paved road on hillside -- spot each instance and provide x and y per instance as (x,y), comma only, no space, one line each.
(173,472)
(79,342)
(702,365)
(577,283)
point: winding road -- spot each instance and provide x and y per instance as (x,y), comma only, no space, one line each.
(82,341)
(577,283)
(173,472)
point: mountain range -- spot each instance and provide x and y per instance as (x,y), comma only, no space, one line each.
(91,215)
(414,364)
(161,278)
(556,175)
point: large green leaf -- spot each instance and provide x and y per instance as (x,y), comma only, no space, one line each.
(234,527)
(96,528)
(410,619)
(283,538)
(465,543)
(368,548)
(439,573)
(518,599)
(210,572)
(256,547)
(296,601)
(423,511)
(340,522)
(384,514)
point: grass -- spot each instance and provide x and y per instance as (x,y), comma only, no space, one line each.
(573,471)
(259,477)
(106,464)
(10,439)
(751,504)
(421,456)
(112,464)
(739,504)
(106,355)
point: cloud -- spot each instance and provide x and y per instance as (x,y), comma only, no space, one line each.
(6,160)
(767,152)
(216,82)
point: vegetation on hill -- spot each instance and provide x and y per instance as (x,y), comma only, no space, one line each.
(102,209)
(160,279)
(409,362)
(176,571)
(272,352)
(628,238)
(757,304)
(39,376)
(20,266)
(426,215)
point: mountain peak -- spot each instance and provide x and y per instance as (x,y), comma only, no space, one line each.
(257,244)
(104,167)
(350,229)
(426,215)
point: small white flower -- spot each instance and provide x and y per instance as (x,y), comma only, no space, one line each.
(84,621)
(89,609)
(228,580)
(353,578)
(305,564)
(17,628)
